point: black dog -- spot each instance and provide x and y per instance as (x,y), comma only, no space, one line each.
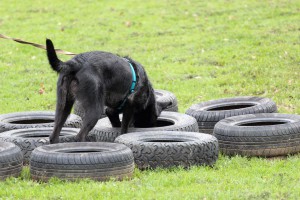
(99,78)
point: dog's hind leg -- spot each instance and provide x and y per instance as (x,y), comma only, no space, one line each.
(64,105)
(61,116)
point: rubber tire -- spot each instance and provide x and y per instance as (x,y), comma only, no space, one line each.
(161,96)
(166,96)
(28,140)
(73,121)
(207,119)
(179,149)
(104,132)
(263,141)
(11,160)
(112,161)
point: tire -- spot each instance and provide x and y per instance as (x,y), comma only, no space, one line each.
(161,96)
(171,148)
(265,135)
(209,113)
(29,139)
(11,160)
(34,119)
(71,161)
(167,121)
(166,96)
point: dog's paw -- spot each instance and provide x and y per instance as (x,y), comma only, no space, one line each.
(80,139)
(53,141)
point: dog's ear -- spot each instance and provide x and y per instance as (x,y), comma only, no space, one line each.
(160,106)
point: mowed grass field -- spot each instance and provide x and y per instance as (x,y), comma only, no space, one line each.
(198,50)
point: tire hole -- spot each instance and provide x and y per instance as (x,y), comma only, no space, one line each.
(230,107)
(32,121)
(161,123)
(80,151)
(167,140)
(35,136)
(44,135)
(265,123)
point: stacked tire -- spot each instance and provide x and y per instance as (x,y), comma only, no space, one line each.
(34,119)
(29,139)
(209,113)
(167,149)
(71,161)
(248,126)
(167,121)
(11,160)
(29,130)
(264,135)
(22,132)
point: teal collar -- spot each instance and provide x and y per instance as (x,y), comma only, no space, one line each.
(133,77)
(132,87)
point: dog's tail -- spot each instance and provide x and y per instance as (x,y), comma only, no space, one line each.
(55,63)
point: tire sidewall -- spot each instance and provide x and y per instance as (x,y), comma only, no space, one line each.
(103,131)
(73,121)
(190,149)
(28,144)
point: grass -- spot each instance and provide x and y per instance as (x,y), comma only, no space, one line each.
(196,49)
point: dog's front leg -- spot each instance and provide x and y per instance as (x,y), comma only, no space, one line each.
(86,128)
(113,116)
(127,118)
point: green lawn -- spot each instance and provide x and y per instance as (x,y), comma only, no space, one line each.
(198,50)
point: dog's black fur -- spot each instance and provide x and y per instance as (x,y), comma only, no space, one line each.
(99,78)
